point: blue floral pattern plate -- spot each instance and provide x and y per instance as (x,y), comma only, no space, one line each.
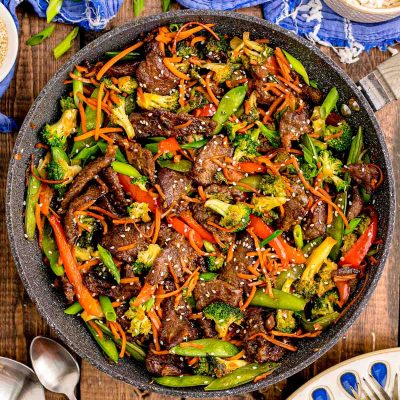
(357,378)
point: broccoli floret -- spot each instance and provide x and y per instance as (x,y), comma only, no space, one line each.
(256,53)
(309,171)
(342,142)
(139,211)
(151,101)
(59,168)
(184,51)
(273,185)
(251,114)
(223,315)
(222,71)
(324,305)
(220,177)
(348,242)
(265,204)
(140,322)
(67,103)
(318,123)
(325,277)
(285,321)
(217,49)
(363,225)
(215,263)
(141,181)
(146,258)
(237,215)
(232,128)
(56,134)
(130,104)
(331,167)
(127,84)
(119,117)
(196,100)
(108,83)
(246,145)
(216,366)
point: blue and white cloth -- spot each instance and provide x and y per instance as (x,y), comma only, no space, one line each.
(88,14)
(314,20)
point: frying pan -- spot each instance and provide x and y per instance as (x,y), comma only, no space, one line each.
(28,258)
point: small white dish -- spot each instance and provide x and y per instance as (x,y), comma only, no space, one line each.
(349,380)
(12,48)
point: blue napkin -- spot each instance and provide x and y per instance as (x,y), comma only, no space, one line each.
(316,21)
(88,14)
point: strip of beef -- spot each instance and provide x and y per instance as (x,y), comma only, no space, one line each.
(123,68)
(176,328)
(162,123)
(87,174)
(365,174)
(293,125)
(121,235)
(176,254)
(121,319)
(315,224)
(105,203)
(206,293)
(263,96)
(258,349)
(204,168)
(140,158)
(295,208)
(225,193)
(100,286)
(68,290)
(153,75)
(174,184)
(311,94)
(239,263)
(90,196)
(164,365)
(356,205)
(117,193)
(207,328)
(202,214)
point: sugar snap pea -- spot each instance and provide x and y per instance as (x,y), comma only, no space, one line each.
(118,156)
(109,263)
(281,300)
(320,323)
(298,236)
(184,381)
(106,344)
(180,166)
(241,376)
(329,103)
(131,348)
(73,309)
(50,249)
(77,87)
(336,228)
(229,104)
(204,347)
(108,309)
(32,198)
(125,169)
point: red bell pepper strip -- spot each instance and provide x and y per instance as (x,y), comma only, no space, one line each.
(357,253)
(284,251)
(207,111)
(170,145)
(251,167)
(188,218)
(343,288)
(85,298)
(136,193)
(184,230)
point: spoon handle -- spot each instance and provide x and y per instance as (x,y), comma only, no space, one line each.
(71,396)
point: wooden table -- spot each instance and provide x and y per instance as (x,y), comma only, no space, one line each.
(377,328)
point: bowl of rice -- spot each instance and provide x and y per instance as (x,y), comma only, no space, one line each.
(369,11)
(8,42)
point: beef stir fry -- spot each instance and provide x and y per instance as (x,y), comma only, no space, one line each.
(203,205)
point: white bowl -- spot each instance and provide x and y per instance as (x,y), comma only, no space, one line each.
(361,13)
(12,49)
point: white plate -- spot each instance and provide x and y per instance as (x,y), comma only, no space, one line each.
(330,384)
(12,50)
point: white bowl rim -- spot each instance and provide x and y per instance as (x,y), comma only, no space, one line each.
(12,49)
(370,10)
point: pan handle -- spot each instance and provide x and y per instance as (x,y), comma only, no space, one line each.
(382,85)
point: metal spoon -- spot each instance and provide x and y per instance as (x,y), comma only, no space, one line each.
(18,382)
(55,367)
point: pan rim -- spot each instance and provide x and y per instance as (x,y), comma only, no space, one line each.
(354,312)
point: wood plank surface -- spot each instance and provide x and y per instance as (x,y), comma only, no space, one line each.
(377,327)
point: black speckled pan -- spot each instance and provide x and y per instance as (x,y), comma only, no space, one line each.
(36,277)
